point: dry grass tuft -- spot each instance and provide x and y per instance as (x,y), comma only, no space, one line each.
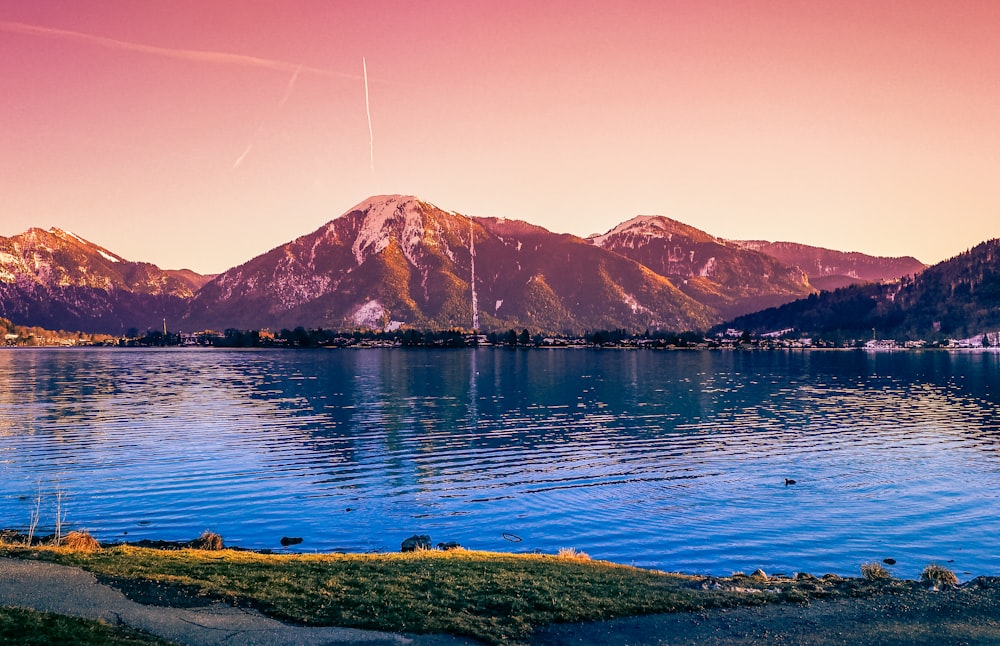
(80,542)
(938,575)
(572,553)
(208,541)
(875,572)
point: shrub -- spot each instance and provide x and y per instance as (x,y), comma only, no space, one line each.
(207,541)
(938,575)
(81,542)
(874,571)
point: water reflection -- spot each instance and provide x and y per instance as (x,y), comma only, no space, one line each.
(668,459)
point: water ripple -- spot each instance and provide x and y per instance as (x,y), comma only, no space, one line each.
(671,460)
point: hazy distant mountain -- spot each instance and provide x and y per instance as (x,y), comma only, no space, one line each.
(730,278)
(394,260)
(957,298)
(58,280)
(828,269)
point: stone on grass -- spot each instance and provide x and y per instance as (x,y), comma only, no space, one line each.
(416,542)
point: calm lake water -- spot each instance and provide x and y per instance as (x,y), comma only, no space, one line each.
(675,460)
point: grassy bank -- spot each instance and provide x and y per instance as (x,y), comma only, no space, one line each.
(497,598)
(30,628)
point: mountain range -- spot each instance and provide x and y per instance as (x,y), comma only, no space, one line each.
(396,261)
(955,299)
(57,280)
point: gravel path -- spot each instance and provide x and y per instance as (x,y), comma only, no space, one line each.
(70,591)
(852,612)
(903,613)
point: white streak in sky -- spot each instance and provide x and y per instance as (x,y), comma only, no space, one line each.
(368,109)
(260,126)
(291,84)
(246,151)
(224,58)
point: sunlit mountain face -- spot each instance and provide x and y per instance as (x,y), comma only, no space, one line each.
(394,261)
(729,278)
(397,260)
(56,279)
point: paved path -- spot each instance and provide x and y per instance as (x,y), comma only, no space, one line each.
(70,591)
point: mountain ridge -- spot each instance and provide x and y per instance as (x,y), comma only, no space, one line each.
(395,260)
(956,298)
(56,279)
(829,269)
(709,269)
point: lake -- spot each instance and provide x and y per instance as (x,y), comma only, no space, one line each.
(669,459)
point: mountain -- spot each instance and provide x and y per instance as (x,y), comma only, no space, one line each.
(729,277)
(957,298)
(395,260)
(828,269)
(58,280)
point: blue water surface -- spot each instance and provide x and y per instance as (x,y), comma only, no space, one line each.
(669,459)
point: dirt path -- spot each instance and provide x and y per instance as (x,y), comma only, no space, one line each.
(904,614)
(70,591)
(854,612)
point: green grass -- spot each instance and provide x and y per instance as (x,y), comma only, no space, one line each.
(30,628)
(497,598)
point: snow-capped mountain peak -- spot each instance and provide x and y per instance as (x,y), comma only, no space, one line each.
(386,217)
(76,240)
(641,228)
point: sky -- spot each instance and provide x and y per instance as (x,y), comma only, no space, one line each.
(200,133)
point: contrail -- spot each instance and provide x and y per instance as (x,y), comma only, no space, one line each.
(260,126)
(224,58)
(368,109)
(291,84)
(249,147)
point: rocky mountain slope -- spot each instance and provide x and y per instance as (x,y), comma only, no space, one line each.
(828,269)
(395,260)
(730,278)
(55,279)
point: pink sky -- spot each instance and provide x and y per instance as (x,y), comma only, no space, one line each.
(200,133)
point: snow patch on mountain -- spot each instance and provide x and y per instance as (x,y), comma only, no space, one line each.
(708,269)
(633,302)
(371,238)
(60,233)
(370,314)
(377,227)
(413,231)
(641,226)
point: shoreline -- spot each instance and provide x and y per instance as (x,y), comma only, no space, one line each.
(871,572)
(502,598)
(10,537)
